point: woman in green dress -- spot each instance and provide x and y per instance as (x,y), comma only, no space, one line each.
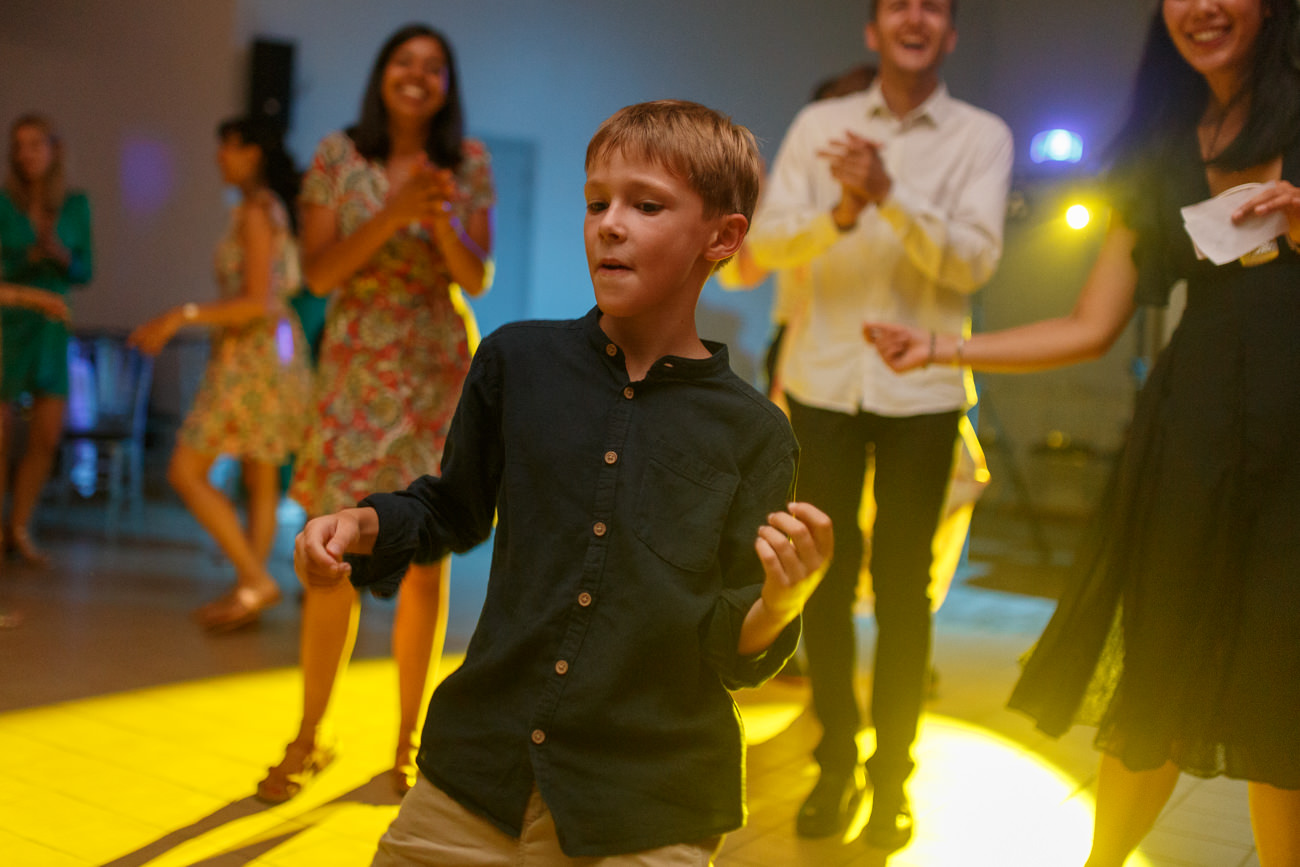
(44,244)
(52,306)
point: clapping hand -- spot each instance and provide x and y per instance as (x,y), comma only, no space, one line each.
(856,163)
(424,196)
(48,247)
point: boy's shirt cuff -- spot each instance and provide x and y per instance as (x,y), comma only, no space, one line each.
(396,545)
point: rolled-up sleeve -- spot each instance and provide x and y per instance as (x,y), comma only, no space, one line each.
(958,246)
(791,228)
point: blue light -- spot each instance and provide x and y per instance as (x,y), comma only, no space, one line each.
(1056,146)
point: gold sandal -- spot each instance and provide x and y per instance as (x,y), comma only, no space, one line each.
(242,607)
(282,782)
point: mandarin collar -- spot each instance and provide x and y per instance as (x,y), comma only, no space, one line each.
(670,366)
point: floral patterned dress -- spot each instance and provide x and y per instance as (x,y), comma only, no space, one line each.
(397,340)
(256,390)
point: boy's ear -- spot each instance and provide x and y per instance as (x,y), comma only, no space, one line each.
(728,238)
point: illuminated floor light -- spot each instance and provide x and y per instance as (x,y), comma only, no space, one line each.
(982,800)
(1077,217)
(162,778)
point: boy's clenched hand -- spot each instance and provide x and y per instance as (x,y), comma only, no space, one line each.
(793,547)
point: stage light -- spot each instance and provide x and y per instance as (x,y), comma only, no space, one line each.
(1056,146)
(1077,216)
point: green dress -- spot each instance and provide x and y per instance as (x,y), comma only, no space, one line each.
(35,351)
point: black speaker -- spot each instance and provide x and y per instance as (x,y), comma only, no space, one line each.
(270,80)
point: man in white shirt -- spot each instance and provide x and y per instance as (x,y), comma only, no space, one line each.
(893,200)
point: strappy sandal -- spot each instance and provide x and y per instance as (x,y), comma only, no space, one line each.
(242,607)
(282,782)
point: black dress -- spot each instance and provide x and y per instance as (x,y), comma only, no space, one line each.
(1180,633)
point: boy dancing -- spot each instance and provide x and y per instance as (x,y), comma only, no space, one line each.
(647,555)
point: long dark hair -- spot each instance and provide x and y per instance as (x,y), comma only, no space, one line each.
(1169,96)
(278,170)
(447,129)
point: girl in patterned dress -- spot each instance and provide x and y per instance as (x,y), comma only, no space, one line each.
(252,403)
(396,222)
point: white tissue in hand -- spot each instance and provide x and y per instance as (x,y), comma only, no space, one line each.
(1209,223)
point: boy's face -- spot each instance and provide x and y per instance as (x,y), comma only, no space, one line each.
(647,236)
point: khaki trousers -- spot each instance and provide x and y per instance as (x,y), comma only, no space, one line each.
(432,829)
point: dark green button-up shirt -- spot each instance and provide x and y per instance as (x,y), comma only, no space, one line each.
(623,568)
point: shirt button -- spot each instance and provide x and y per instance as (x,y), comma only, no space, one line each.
(539,736)
(584,599)
(628,392)
(599,528)
(562,667)
(611,457)
(611,350)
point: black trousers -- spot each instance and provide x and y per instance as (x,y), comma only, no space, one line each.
(913,460)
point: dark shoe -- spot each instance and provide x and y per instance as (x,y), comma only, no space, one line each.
(831,804)
(890,826)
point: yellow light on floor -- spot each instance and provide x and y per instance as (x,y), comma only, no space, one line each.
(1077,216)
(162,777)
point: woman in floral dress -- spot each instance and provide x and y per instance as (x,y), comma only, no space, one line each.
(253,401)
(396,221)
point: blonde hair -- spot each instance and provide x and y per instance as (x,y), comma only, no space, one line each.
(18,187)
(717,158)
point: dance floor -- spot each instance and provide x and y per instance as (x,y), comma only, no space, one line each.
(127,737)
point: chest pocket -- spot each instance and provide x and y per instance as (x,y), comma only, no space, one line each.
(682,508)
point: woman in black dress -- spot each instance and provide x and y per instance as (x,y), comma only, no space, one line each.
(1180,635)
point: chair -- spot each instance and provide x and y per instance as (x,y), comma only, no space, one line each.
(108,406)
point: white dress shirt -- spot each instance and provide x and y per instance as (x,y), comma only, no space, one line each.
(914,259)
